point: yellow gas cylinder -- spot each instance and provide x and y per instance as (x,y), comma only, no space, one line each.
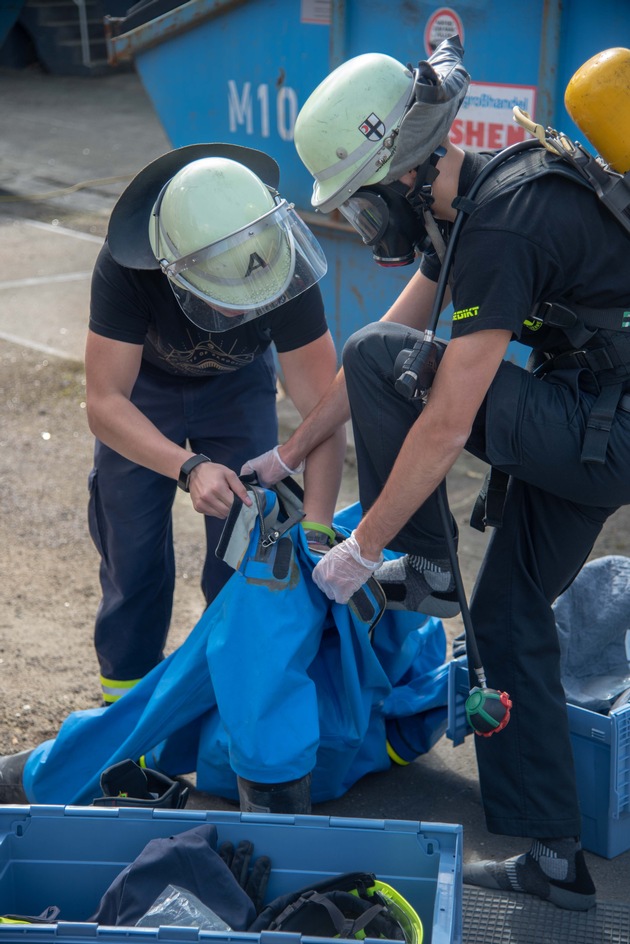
(598,100)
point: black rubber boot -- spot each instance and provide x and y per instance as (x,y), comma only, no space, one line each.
(293,796)
(11,771)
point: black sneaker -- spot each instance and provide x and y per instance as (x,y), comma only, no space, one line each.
(524,874)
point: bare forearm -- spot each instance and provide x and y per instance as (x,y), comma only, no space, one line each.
(327,420)
(437,437)
(122,427)
(322,478)
(426,457)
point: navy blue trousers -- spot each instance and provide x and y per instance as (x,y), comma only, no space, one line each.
(230,418)
(556,506)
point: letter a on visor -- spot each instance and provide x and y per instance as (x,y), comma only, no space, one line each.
(245,274)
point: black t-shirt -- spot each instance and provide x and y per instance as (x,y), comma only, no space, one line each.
(138,306)
(548,240)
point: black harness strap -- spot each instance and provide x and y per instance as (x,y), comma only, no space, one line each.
(345,927)
(607,359)
(614,319)
(599,423)
(488,508)
(518,169)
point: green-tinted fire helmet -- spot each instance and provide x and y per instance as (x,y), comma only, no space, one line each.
(230,246)
(372,120)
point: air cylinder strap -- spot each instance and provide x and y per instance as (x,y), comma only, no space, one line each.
(569,314)
(599,423)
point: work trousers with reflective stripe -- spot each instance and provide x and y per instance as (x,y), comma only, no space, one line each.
(230,418)
(555,508)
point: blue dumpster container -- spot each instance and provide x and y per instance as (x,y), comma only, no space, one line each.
(239,71)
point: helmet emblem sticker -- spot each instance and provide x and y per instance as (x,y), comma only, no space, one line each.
(372,127)
(255,262)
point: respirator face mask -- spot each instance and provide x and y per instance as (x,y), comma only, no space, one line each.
(386,221)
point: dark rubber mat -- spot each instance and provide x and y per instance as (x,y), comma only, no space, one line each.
(503,918)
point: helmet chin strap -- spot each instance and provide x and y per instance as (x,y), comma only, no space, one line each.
(420,194)
(421,199)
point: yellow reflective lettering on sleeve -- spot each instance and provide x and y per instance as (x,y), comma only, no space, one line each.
(464,313)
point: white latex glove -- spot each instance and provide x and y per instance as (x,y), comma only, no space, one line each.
(341,571)
(270,468)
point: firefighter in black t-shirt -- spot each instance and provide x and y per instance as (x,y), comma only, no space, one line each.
(545,264)
(205,268)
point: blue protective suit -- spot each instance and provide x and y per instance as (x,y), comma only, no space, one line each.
(274,681)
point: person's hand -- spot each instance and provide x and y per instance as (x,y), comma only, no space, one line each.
(343,570)
(270,468)
(213,487)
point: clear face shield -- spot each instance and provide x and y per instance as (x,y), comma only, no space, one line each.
(246,274)
(385,221)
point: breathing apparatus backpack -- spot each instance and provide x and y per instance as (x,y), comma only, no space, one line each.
(351,905)
(597,339)
(598,100)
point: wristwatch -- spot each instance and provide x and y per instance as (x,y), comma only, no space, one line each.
(184,473)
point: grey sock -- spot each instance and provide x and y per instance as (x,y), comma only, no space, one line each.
(429,590)
(437,573)
(556,857)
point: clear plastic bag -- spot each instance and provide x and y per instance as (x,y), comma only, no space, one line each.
(177,906)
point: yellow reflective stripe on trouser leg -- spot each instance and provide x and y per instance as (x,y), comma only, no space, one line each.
(113,689)
(393,756)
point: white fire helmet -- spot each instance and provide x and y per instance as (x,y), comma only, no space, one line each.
(231,247)
(373,119)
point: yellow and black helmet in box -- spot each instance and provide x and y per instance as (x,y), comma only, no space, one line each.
(352,905)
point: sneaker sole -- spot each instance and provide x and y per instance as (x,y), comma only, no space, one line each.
(431,606)
(560,897)
(571,901)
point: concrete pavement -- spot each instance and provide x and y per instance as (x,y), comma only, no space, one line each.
(68,148)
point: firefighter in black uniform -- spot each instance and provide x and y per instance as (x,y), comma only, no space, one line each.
(545,264)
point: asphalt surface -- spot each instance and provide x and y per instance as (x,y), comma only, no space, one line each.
(68,147)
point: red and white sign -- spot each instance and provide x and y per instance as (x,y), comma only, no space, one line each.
(440,25)
(485,121)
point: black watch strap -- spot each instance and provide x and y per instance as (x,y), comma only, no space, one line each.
(184,473)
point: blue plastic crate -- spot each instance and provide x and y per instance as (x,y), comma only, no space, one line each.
(601,748)
(68,856)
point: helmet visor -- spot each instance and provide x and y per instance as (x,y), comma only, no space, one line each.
(401,911)
(248,273)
